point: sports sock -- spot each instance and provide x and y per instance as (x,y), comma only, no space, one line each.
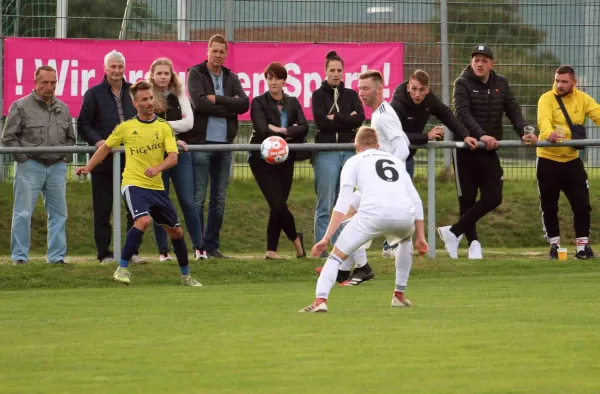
(181,251)
(554,241)
(132,240)
(360,258)
(403,264)
(581,242)
(328,275)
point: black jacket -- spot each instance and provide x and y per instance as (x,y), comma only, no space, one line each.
(480,106)
(343,126)
(99,116)
(200,84)
(264,111)
(173,110)
(414,117)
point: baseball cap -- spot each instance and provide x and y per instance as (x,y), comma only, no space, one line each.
(482,50)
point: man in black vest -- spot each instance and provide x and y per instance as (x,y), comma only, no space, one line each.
(481,98)
(104,107)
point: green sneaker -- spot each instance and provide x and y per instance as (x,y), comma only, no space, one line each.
(122,275)
(187,280)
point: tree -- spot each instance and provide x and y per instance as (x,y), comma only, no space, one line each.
(95,18)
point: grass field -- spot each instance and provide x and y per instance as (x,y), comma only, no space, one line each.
(515,324)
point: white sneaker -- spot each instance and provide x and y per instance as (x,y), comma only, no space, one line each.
(164,257)
(187,280)
(475,252)
(135,259)
(401,303)
(200,254)
(313,308)
(106,261)
(450,240)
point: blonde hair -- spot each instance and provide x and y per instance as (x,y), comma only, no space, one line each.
(366,136)
(160,104)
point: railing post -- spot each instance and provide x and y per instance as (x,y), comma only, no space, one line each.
(445,71)
(431,200)
(230,20)
(116,179)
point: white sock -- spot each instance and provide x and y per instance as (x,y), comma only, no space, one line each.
(328,275)
(554,241)
(581,242)
(404,256)
(360,258)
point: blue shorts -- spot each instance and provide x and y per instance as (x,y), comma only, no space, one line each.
(156,203)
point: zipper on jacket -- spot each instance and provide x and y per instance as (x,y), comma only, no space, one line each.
(336,137)
(489,119)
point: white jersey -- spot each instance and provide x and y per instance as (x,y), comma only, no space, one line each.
(392,138)
(384,185)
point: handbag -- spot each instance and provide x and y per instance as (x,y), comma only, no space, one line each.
(577,130)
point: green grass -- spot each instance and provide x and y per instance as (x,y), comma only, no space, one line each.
(505,325)
(515,224)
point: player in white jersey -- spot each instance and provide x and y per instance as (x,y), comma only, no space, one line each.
(389,206)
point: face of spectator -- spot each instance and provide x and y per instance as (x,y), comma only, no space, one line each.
(45,85)
(334,72)
(417,91)
(144,102)
(368,91)
(161,76)
(564,83)
(217,53)
(114,70)
(275,84)
(482,65)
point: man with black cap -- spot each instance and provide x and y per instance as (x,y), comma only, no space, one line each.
(481,98)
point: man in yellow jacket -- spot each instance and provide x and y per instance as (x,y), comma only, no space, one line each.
(561,169)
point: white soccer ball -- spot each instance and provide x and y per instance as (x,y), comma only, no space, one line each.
(274,150)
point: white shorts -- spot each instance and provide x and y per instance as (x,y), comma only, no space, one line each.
(363,229)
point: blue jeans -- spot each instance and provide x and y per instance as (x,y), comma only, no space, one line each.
(31,179)
(180,175)
(213,166)
(327,166)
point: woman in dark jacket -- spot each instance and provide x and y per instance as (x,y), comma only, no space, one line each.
(338,113)
(274,113)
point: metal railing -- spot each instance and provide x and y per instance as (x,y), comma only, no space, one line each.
(431,169)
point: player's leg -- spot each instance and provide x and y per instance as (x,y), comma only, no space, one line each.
(404,257)
(163,212)
(362,270)
(160,235)
(355,234)
(136,199)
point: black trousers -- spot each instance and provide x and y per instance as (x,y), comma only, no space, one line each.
(570,178)
(102,203)
(275,183)
(476,171)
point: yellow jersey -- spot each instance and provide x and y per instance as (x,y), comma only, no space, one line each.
(146,143)
(579,105)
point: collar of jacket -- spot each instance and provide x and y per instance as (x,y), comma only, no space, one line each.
(327,87)
(124,85)
(468,73)
(203,68)
(41,101)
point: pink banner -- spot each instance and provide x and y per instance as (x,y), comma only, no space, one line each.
(79,64)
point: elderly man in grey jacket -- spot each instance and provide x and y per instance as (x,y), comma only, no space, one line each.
(36,120)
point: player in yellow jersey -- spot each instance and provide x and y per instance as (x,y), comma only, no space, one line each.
(146,139)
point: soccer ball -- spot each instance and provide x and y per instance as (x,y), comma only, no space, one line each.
(274,150)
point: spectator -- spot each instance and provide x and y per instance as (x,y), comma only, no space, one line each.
(561,169)
(338,113)
(217,99)
(171,104)
(414,102)
(481,98)
(104,107)
(274,113)
(37,120)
